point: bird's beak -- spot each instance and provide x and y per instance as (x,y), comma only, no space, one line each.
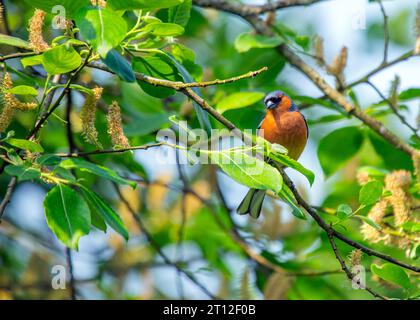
(271,105)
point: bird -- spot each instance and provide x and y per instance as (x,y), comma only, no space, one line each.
(282,124)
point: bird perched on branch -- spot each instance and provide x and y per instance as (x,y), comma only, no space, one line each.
(283,124)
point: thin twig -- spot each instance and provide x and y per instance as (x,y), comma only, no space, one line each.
(71,274)
(393,107)
(96,152)
(8,196)
(178,85)
(181,230)
(386,32)
(17,55)
(252,10)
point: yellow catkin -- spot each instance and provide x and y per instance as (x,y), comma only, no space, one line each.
(87,115)
(10,103)
(362,177)
(1,14)
(6,117)
(319,51)
(7,110)
(355,257)
(376,214)
(339,62)
(36,40)
(393,94)
(99,3)
(416,164)
(396,182)
(115,130)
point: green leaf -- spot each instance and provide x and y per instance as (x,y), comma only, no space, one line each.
(103,28)
(338,147)
(61,59)
(146,5)
(25,145)
(287,195)
(186,57)
(48,160)
(393,158)
(158,66)
(247,170)
(14,42)
(23,172)
(105,211)
(164,29)
(343,211)
(71,6)
(116,62)
(411,226)
(83,165)
(32,61)
(303,42)
(239,100)
(409,94)
(370,193)
(247,41)
(181,13)
(23,90)
(368,221)
(97,220)
(291,163)
(67,214)
(392,273)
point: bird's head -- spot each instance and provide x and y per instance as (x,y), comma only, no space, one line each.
(278,99)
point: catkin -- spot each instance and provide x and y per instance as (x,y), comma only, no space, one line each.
(376,214)
(339,63)
(393,94)
(11,100)
(99,3)
(10,103)
(115,130)
(1,14)
(319,51)
(36,39)
(87,115)
(396,182)
(355,258)
(416,164)
(362,177)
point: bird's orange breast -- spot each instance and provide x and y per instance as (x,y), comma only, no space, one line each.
(287,128)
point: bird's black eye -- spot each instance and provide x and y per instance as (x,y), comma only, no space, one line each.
(273,101)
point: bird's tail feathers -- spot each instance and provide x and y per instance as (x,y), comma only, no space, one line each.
(252,203)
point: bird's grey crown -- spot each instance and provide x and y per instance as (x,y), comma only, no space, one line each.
(274,96)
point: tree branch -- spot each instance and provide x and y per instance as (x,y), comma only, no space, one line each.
(8,196)
(100,151)
(178,85)
(346,270)
(252,10)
